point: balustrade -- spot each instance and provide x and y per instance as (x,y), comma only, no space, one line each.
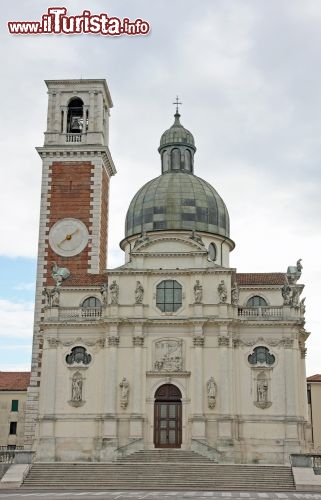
(73,137)
(73,313)
(261,312)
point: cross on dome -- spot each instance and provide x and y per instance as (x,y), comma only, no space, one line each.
(177,103)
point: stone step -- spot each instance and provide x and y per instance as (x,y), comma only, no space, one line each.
(134,475)
(165,456)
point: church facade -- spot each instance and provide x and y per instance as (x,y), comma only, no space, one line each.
(173,349)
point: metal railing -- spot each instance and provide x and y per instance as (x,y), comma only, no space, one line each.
(205,449)
(129,448)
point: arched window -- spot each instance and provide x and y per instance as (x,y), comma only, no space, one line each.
(261,355)
(188,160)
(91,302)
(256,301)
(75,118)
(91,308)
(165,161)
(169,296)
(176,159)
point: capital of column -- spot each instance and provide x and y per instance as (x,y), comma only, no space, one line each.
(198,341)
(138,340)
(113,340)
(223,341)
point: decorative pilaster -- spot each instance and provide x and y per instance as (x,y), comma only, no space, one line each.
(225,380)
(198,420)
(136,422)
(111,384)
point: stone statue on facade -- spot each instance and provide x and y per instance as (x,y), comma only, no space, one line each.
(198,292)
(124,392)
(52,296)
(76,389)
(262,391)
(139,293)
(104,293)
(211,393)
(286,293)
(235,294)
(196,238)
(295,299)
(143,237)
(302,307)
(222,291)
(55,296)
(114,292)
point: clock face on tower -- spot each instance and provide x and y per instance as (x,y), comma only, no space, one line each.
(68,237)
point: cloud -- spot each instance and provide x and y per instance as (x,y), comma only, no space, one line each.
(25,286)
(16,319)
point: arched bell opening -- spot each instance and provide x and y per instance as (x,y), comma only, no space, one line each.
(75,117)
(168,417)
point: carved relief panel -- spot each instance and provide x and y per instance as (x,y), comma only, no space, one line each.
(168,355)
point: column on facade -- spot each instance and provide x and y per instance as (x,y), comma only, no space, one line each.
(47,410)
(136,422)
(291,397)
(84,119)
(303,335)
(56,108)
(290,355)
(64,125)
(110,395)
(198,419)
(226,382)
(91,126)
(100,107)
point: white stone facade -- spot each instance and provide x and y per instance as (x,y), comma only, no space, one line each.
(198,342)
(172,349)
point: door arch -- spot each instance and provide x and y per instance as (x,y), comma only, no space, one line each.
(168,417)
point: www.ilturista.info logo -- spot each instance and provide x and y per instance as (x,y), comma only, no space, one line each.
(56,22)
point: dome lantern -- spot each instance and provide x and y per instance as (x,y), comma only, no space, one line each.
(177,147)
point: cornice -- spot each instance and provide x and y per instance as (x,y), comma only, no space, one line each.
(167,374)
(168,272)
(77,152)
(87,85)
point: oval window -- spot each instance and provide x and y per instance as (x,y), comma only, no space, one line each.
(212,251)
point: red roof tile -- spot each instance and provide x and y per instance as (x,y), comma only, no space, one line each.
(314,378)
(260,278)
(14,381)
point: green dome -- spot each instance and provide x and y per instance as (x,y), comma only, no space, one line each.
(174,201)
(177,134)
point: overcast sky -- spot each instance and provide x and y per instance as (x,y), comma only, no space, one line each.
(249,76)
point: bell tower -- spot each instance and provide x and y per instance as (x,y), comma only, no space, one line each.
(76,169)
(77,166)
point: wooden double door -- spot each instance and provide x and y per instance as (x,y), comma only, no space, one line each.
(168,417)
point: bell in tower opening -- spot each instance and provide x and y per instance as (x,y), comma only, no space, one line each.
(76,121)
